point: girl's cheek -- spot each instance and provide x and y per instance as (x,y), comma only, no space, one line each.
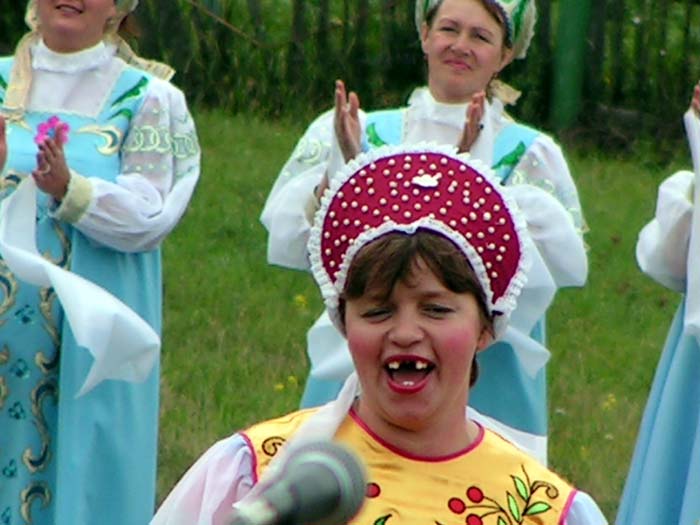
(457,337)
(361,344)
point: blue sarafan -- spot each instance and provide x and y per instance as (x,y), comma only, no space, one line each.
(663,483)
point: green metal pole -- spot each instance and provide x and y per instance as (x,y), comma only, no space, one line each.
(569,62)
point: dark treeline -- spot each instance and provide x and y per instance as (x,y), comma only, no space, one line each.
(280,57)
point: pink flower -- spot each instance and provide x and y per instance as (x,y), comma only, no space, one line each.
(53,128)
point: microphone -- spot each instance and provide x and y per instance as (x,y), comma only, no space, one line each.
(319,483)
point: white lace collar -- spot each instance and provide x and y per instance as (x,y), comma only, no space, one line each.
(45,59)
(426,107)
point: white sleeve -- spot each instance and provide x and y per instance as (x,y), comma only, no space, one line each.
(662,247)
(289,209)
(207,491)
(543,165)
(584,511)
(160,163)
(554,234)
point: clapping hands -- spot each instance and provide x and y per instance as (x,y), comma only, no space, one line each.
(347,121)
(473,125)
(346,126)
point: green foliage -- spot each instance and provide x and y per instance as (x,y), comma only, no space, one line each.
(234,343)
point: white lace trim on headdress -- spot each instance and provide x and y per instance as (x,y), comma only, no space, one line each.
(331,291)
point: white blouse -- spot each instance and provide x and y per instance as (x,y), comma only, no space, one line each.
(149,196)
(662,247)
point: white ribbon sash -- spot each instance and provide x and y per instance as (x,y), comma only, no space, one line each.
(692,300)
(122,344)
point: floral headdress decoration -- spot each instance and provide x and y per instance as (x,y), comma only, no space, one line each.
(420,187)
(520,17)
(21,75)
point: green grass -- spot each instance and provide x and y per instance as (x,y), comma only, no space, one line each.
(234,343)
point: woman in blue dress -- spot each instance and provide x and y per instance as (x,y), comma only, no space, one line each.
(466,44)
(112,149)
(663,484)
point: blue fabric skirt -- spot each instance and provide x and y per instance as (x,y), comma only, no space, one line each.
(663,484)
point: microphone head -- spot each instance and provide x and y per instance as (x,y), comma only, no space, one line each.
(331,476)
(317,483)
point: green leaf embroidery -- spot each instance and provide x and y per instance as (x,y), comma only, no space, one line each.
(135,91)
(382,520)
(501,521)
(512,158)
(513,507)
(124,112)
(3,82)
(373,137)
(537,508)
(521,487)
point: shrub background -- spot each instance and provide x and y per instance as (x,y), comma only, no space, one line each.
(265,56)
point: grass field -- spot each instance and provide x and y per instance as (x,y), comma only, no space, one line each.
(234,336)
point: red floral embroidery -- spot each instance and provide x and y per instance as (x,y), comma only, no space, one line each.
(456,505)
(475,494)
(373,490)
(473,519)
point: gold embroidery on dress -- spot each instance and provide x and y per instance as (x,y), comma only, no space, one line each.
(37,490)
(8,291)
(45,389)
(110,134)
(272,445)
(47,297)
(16,119)
(63,259)
(4,391)
(10,180)
(158,139)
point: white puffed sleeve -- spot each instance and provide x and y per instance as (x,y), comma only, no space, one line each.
(554,234)
(160,168)
(543,165)
(584,511)
(289,209)
(662,247)
(207,491)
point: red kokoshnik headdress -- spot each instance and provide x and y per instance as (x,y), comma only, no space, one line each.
(407,188)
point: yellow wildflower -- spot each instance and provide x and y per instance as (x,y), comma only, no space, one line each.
(301,301)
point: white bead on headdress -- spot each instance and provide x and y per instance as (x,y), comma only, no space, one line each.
(520,17)
(412,187)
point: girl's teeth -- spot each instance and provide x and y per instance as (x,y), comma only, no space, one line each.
(394,365)
(408,383)
(421,365)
